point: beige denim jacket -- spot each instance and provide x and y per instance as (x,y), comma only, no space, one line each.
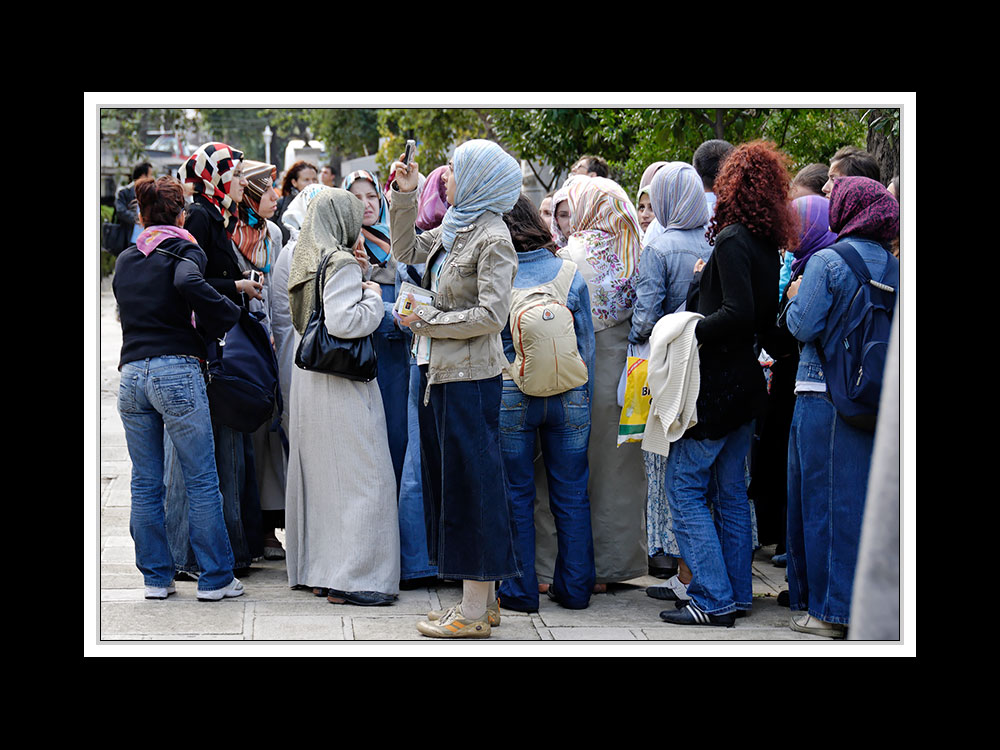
(474,290)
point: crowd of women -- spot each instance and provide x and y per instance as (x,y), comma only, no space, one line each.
(449,464)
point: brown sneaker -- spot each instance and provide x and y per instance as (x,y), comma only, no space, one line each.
(492,613)
(453,625)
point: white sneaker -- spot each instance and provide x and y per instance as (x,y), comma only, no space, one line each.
(160,592)
(235,588)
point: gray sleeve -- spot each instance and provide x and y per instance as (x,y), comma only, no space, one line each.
(352,312)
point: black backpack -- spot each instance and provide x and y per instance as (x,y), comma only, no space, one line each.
(243,391)
(854,361)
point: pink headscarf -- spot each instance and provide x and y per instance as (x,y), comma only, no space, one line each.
(433,204)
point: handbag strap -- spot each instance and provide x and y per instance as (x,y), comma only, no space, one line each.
(320,281)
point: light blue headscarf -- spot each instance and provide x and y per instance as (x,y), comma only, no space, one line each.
(377,235)
(678,197)
(486,179)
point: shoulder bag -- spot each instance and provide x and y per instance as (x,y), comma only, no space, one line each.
(321,351)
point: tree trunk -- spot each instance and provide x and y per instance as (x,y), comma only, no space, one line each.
(885,149)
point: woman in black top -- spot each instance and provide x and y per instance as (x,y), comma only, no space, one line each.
(162,294)
(737,297)
(215,172)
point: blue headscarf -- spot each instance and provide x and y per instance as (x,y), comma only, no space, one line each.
(678,197)
(486,179)
(377,235)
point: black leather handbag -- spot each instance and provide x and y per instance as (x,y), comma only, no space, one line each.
(115,236)
(320,351)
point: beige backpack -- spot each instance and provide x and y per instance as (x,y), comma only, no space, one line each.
(547,361)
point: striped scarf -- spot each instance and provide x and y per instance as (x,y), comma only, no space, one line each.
(253,240)
(605,235)
(678,197)
(486,179)
(600,205)
(210,171)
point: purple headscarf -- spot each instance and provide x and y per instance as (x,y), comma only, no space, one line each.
(862,206)
(433,203)
(815,234)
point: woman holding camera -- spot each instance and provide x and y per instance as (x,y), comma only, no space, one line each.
(470,266)
(160,287)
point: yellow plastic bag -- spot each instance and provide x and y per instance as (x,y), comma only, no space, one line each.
(637,402)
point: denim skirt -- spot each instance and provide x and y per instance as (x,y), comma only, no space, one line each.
(467,504)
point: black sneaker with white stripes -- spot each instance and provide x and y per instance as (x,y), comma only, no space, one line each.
(690,614)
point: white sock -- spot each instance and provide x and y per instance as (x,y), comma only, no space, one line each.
(475,595)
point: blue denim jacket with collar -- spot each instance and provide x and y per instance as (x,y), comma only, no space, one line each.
(539,267)
(815,314)
(666,269)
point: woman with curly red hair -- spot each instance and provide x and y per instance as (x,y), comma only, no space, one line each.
(706,467)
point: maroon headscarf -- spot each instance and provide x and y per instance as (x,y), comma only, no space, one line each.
(862,206)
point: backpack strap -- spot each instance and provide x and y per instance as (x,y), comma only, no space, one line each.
(564,280)
(175,256)
(857,264)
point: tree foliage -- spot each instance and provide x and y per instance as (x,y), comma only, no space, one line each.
(629,139)
(124,131)
(345,132)
(436,131)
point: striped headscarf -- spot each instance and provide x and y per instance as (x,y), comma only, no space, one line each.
(209,170)
(862,206)
(377,235)
(814,229)
(487,178)
(251,235)
(678,197)
(606,226)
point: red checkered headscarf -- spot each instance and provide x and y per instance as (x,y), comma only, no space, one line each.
(210,171)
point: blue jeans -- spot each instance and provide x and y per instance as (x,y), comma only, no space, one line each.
(414,560)
(234,463)
(828,465)
(392,347)
(563,426)
(168,393)
(707,478)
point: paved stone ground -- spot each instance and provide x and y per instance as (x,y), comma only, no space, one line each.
(271,612)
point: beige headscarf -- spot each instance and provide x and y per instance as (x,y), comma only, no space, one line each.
(332,223)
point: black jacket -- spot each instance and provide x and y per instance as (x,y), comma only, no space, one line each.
(156,295)
(223,270)
(125,212)
(738,295)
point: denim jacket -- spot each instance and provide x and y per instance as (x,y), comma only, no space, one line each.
(666,269)
(539,267)
(815,314)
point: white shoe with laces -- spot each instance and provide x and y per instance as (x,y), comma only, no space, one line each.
(235,588)
(160,592)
